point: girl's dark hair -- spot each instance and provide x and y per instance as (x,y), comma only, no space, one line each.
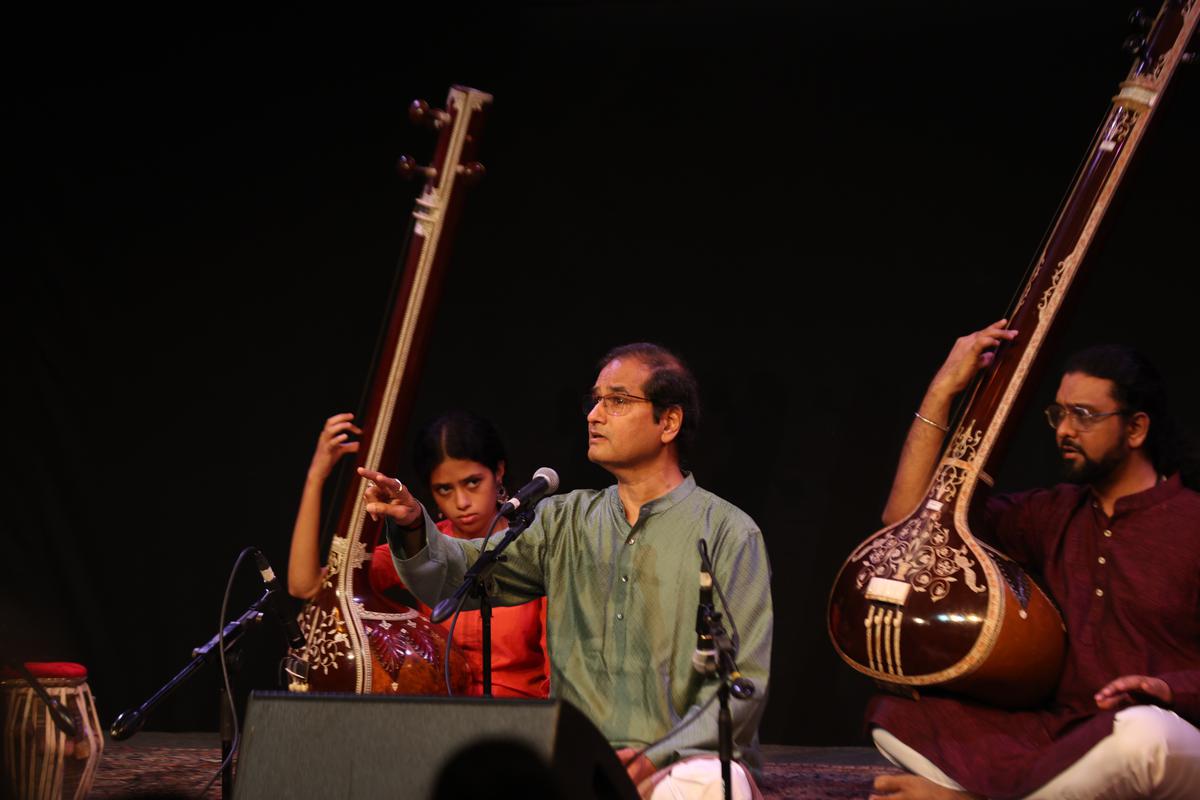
(1138,386)
(456,434)
(671,383)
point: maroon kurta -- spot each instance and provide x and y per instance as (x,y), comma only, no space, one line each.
(1129,591)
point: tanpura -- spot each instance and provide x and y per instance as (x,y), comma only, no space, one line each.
(923,603)
(355,639)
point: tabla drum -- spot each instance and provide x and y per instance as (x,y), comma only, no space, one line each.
(40,761)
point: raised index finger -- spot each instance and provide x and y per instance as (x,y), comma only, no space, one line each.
(387,484)
(375,476)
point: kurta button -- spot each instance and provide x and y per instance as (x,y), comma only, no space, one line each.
(1102,560)
(624,579)
(1108,533)
(1099,593)
(620,615)
(631,540)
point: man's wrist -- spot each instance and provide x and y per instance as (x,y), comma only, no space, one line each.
(417,524)
(405,541)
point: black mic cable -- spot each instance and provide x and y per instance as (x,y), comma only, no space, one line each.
(740,686)
(295,637)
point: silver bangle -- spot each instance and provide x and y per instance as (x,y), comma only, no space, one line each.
(928,421)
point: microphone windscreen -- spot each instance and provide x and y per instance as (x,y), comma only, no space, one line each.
(551,479)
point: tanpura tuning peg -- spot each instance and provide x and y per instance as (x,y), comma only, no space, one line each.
(420,113)
(471,173)
(1140,19)
(1190,57)
(408,168)
(1134,45)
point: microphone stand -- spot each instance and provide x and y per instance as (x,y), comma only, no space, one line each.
(712,621)
(130,721)
(731,682)
(475,584)
(226,726)
(485,616)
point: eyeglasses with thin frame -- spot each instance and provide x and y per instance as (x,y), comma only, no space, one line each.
(1082,418)
(617,403)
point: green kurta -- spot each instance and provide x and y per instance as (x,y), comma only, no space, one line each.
(621,609)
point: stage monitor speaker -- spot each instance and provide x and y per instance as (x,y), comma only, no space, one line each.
(326,745)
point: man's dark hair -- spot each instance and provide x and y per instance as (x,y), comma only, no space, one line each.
(1138,386)
(456,434)
(671,383)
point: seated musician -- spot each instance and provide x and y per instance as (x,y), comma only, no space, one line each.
(620,571)
(461,459)
(1118,549)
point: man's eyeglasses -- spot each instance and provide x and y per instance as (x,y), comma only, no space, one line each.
(1082,418)
(615,404)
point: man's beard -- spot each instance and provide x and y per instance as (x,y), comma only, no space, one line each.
(1092,471)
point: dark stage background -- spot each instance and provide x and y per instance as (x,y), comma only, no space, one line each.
(809,202)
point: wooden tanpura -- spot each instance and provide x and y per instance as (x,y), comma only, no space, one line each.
(356,639)
(923,604)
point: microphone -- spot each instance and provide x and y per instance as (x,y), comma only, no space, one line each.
(545,481)
(295,637)
(127,724)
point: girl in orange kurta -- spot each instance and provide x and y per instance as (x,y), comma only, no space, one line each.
(460,457)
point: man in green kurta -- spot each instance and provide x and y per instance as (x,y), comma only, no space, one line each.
(620,570)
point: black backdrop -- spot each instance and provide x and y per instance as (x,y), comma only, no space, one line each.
(807,202)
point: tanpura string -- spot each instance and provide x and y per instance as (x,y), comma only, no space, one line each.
(1058,214)
(966,397)
(343,467)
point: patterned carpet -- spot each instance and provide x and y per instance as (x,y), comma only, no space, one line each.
(178,765)
(821,773)
(159,765)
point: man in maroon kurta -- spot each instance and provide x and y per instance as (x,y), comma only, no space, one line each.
(1119,551)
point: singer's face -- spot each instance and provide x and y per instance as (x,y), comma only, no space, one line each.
(465,492)
(629,439)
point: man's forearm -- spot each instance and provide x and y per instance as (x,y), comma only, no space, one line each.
(428,571)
